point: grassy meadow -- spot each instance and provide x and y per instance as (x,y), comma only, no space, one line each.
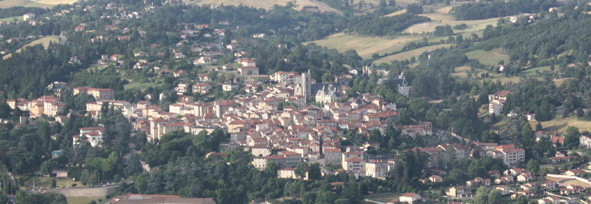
(45,41)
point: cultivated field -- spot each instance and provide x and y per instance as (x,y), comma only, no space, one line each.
(266,4)
(411,53)
(56,2)
(490,58)
(34,3)
(365,45)
(42,41)
(560,124)
(441,17)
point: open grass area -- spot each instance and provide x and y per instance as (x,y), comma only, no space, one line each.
(441,17)
(366,45)
(490,58)
(56,2)
(396,13)
(383,197)
(25,3)
(45,182)
(461,72)
(558,82)
(267,4)
(84,200)
(11,19)
(141,86)
(534,70)
(411,53)
(560,124)
(45,41)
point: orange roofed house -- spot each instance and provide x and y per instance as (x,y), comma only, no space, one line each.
(508,153)
(98,94)
(94,136)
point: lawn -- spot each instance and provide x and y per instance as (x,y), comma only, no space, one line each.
(411,53)
(490,58)
(83,200)
(42,41)
(560,124)
(366,45)
(266,4)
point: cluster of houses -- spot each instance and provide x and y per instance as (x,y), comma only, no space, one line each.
(44,105)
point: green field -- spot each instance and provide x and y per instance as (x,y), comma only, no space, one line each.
(141,86)
(366,45)
(411,53)
(45,41)
(490,58)
(441,17)
(560,124)
(25,3)
(536,69)
(11,19)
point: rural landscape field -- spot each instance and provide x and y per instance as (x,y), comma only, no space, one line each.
(33,3)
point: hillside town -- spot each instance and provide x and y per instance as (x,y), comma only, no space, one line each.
(172,102)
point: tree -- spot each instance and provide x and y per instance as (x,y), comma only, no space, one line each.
(521,199)
(481,196)
(271,169)
(4,110)
(476,168)
(392,3)
(314,172)
(494,197)
(539,126)
(3,198)
(46,167)
(383,4)
(571,139)
(533,165)
(53,183)
(415,8)
(301,169)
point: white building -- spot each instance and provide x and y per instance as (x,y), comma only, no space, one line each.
(326,95)
(585,141)
(376,168)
